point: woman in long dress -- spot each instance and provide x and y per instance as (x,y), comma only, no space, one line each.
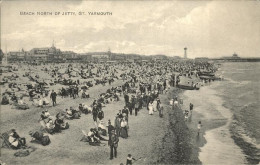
(124,131)
(150,107)
(155,105)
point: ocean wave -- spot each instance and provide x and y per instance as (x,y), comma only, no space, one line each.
(244,140)
(245,94)
(238,83)
(244,69)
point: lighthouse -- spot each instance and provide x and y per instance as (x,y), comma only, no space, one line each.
(185,52)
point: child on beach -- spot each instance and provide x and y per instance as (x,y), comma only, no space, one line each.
(199,127)
(129,159)
(186,115)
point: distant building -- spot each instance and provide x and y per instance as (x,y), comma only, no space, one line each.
(50,54)
(233,57)
(85,57)
(159,57)
(68,55)
(100,56)
(201,59)
(17,55)
(118,57)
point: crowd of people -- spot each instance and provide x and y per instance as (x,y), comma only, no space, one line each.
(143,83)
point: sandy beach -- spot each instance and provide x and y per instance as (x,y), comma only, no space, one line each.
(152,139)
(149,135)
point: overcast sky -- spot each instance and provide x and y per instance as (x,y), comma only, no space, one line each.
(206,28)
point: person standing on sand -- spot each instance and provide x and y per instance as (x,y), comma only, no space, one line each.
(95,112)
(126,96)
(109,129)
(191,107)
(113,143)
(126,111)
(53,97)
(150,107)
(117,124)
(176,103)
(199,127)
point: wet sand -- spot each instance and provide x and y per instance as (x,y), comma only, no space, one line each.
(215,137)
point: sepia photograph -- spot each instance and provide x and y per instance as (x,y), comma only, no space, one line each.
(129,82)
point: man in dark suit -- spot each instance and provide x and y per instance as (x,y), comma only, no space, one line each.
(53,97)
(126,99)
(126,111)
(110,128)
(113,143)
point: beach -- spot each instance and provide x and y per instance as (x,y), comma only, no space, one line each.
(152,139)
(148,134)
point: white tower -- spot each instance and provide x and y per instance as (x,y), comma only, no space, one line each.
(185,52)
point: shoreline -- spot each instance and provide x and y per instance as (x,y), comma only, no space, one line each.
(216,135)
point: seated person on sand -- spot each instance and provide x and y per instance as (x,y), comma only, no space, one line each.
(31,95)
(45,101)
(14,98)
(38,102)
(50,126)
(39,137)
(21,104)
(83,109)
(97,134)
(69,114)
(87,108)
(101,128)
(84,94)
(75,113)
(60,123)
(45,115)
(92,139)
(15,140)
(5,100)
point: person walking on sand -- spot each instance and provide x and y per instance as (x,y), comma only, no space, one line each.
(53,97)
(199,127)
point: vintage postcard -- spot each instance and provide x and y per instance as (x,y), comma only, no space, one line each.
(129,82)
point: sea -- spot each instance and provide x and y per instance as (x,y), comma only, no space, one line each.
(236,100)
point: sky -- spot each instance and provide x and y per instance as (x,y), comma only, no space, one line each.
(206,28)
